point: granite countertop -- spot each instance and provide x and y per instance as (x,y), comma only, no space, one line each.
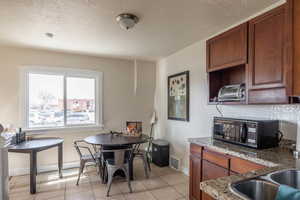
(274,159)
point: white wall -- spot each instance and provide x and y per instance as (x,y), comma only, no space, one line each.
(193,58)
(119,102)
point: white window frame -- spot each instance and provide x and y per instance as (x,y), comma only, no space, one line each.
(65,72)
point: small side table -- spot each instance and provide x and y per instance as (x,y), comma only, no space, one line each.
(33,147)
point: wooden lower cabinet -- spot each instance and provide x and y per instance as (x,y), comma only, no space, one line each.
(232,173)
(241,166)
(205,196)
(206,164)
(195,177)
(211,171)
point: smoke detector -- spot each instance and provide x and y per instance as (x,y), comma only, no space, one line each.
(127,20)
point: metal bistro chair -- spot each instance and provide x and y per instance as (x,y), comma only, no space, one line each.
(145,155)
(119,161)
(86,158)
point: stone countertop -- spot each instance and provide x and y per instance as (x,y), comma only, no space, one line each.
(274,158)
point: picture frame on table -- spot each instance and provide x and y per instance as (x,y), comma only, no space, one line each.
(134,126)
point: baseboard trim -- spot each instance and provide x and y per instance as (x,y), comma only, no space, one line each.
(49,168)
(185,171)
(44,168)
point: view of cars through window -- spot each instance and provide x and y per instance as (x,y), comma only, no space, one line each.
(47,103)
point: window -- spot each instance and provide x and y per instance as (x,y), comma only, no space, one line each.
(60,98)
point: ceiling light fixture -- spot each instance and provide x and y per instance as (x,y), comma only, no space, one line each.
(49,35)
(127,20)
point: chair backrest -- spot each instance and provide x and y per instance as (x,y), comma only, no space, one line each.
(151,131)
(119,155)
(77,147)
(150,140)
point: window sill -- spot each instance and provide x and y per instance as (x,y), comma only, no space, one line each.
(33,131)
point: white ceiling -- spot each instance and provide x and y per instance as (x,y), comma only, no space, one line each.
(89,26)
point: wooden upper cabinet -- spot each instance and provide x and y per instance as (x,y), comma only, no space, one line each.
(228,49)
(294,18)
(267,81)
(268,49)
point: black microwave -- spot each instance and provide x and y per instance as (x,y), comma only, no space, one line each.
(255,133)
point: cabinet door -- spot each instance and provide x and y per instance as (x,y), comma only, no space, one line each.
(195,177)
(211,171)
(267,70)
(231,173)
(216,158)
(228,49)
(205,196)
(242,166)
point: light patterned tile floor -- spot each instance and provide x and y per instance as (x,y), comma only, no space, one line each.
(163,184)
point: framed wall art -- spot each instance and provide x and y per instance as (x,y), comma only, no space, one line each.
(178,96)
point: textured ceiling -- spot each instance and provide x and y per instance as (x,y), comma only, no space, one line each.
(89,26)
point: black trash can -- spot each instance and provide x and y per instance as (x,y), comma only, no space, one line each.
(160,152)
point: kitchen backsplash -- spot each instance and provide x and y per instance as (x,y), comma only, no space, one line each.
(289,115)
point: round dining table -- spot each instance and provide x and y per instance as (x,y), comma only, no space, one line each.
(112,140)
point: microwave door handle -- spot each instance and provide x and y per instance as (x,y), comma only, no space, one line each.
(244,133)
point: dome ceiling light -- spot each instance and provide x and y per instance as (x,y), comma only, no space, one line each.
(127,20)
(49,35)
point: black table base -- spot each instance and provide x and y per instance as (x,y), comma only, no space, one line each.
(111,141)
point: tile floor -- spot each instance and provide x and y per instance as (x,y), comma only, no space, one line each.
(163,184)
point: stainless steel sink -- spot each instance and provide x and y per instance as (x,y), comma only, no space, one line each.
(255,189)
(266,187)
(286,177)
